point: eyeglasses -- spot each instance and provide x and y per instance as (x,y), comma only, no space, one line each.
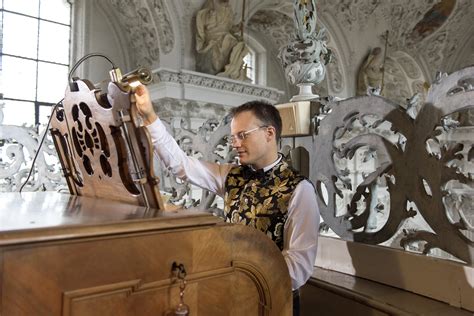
(243,135)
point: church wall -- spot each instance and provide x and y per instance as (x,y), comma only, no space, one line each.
(275,78)
(96,30)
(465,55)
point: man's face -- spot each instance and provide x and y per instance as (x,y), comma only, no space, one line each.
(256,148)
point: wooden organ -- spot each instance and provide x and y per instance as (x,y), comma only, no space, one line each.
(69,255)
(109,247)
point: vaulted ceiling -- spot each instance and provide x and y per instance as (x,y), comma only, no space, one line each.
(424,36)
(439,34)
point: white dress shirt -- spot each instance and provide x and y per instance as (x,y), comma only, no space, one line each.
(301,227)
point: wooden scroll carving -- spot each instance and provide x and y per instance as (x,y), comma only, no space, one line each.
(412,161)
(103,151)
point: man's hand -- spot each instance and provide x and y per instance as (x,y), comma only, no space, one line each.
(144,105)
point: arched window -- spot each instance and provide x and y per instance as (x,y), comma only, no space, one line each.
(34,58)
(256,61)
(249,64)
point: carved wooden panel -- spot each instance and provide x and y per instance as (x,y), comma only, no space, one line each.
(103,151)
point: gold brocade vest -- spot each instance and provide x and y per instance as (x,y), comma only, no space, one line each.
(260,200)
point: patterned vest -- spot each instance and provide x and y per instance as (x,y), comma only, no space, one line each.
(261,202)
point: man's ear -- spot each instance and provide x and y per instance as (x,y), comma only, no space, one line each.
(271,132)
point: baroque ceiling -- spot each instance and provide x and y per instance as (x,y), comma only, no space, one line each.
(437,33)
(424,36)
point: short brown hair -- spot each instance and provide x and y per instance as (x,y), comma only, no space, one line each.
(264,111)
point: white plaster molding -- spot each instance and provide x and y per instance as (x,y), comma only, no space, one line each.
(18,146)
(143,26)
(191,85)
(277,26)
(175,58)
(404,77)
(253,7)
(335,75)
(164,27)
(397,86)
(425,67)
(340,67)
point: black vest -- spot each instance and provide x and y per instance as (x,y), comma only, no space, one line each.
(260,201)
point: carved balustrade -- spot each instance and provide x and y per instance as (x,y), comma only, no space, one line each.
(385,173)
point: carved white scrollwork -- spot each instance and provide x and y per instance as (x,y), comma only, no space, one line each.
(334,74)
(18,146)
(148,28)
(413,168)
(161,16)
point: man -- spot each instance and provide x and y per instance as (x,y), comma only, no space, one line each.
(262,192)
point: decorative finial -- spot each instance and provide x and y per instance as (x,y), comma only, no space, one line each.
(305,57)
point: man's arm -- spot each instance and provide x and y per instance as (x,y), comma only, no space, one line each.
(206,175)
(301,234)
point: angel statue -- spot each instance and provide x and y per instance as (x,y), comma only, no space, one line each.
(370,76)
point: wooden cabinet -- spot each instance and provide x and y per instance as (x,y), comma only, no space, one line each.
(69,255)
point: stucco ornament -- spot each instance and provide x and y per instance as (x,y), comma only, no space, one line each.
(305,57)
(18,146)
(146,26)
(417,170)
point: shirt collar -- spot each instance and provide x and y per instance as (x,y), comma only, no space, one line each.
(273,164)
